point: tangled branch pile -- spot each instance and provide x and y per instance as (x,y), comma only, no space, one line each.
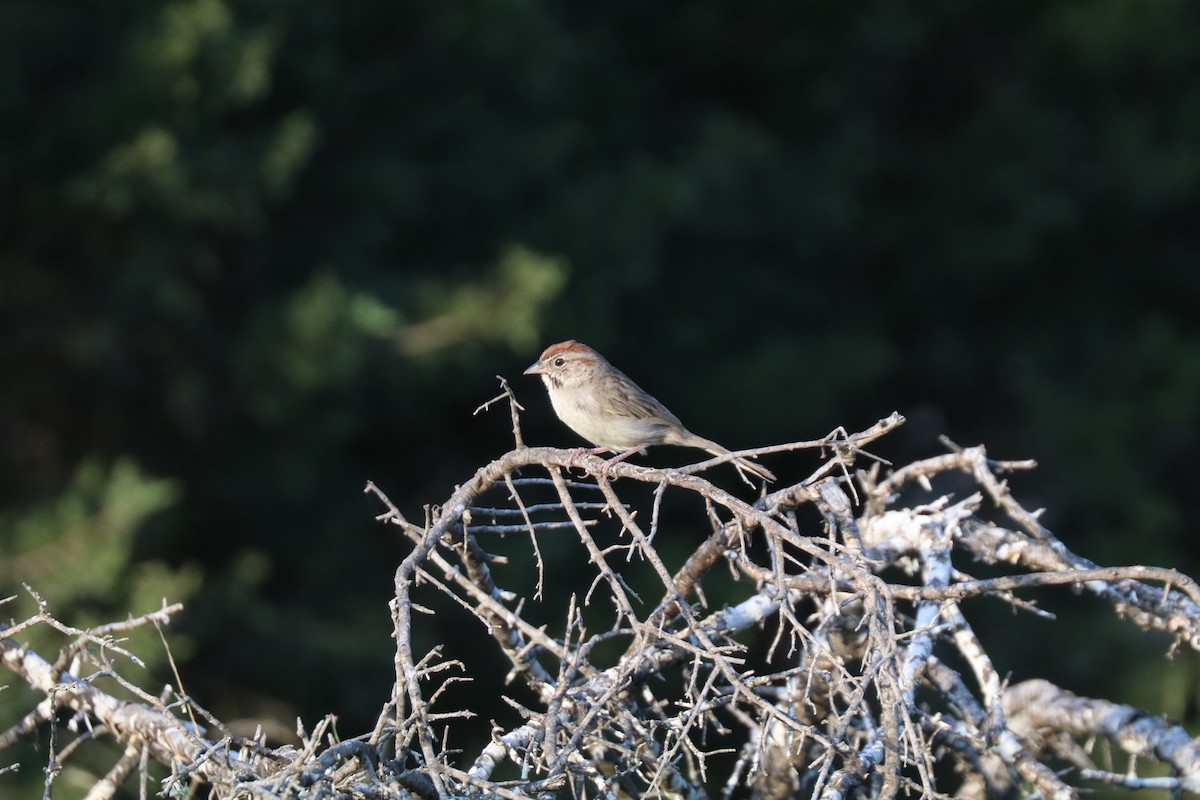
(841,660)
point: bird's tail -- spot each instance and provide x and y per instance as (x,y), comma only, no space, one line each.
(752,467)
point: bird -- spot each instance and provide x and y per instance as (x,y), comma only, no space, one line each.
(604,406)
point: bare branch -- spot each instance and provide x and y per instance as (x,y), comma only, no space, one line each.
(826,670)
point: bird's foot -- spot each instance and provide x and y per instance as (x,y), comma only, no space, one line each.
(617,459)
(584,451)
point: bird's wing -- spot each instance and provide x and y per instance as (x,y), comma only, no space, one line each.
(629,400)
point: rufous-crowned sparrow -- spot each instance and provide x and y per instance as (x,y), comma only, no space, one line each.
(601,404)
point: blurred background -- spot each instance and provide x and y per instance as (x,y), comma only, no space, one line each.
(254,254)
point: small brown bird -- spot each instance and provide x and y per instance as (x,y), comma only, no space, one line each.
(601,404)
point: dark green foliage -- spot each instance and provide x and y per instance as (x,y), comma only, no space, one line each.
(254,254)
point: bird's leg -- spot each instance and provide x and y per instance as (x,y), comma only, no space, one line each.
(617,459)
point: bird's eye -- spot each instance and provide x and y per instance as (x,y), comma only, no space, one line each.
(558,362)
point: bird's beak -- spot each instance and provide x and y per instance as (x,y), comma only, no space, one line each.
(535,369)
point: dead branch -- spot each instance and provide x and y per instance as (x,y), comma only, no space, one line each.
(823,668)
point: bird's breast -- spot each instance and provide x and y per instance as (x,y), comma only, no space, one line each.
(582,413)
